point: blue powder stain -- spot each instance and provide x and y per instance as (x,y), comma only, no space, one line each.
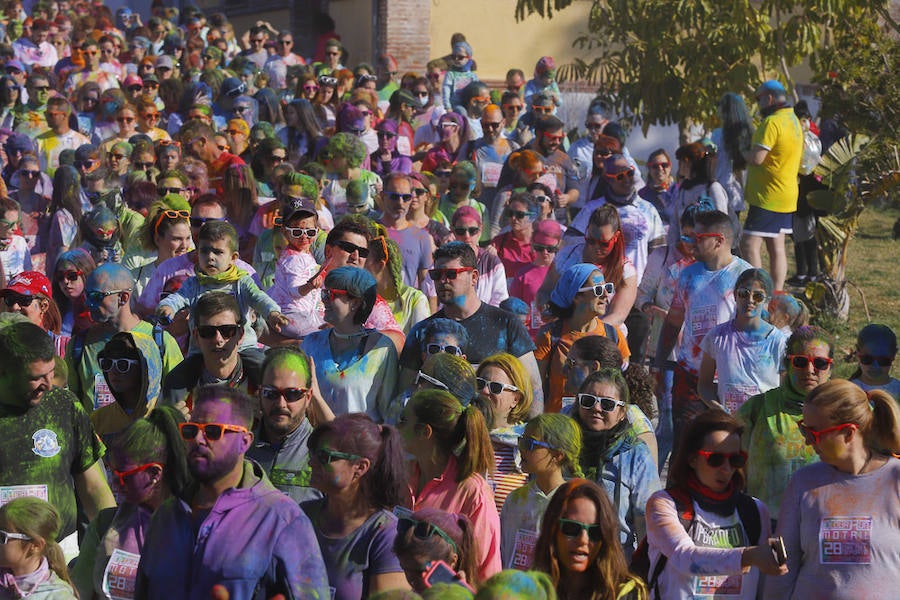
(459,300)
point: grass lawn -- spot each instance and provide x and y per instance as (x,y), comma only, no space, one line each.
(873,264)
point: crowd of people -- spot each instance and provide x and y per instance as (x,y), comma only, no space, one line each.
(278,328)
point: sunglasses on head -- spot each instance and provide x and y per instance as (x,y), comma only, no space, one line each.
(621,176)
(298,232)
(801,361)
(494,387)
(325,80)
(420,376)
(716,459)
(211,431)
(816,434)
(11,299)
(208,332)
(123,474)
(573,529)
(589,401)
(122,365)
(545,248)
(449,274)
(449,349)
(69,275)
(464,231)
(883,361)
(271,393)
(326,456)
(423,530)
(350,248)
(745,294)
(529,444)
(600,289)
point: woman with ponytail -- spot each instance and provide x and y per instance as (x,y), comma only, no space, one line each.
(451,449)
(148,462)
(358,465)
(32,564)
(839,517)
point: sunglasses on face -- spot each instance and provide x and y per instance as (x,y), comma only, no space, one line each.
(208,332)
(442,173)
(573,529)
(122,365)
(513,107)
(271,393)
(69,275)
(85,164)
(398,196)
(162,191)
(518,214)
(211,431)
(605,245)
(816,434)
(659,165)
(449,274)
(420,376)
(600,289)
(494,387)
(802,361)
(449,349)
(298,232)
(883,361)
(423,530)
(200,221)
(466,231)
(745,294)
(143,166)
(5,536)
(529,444)
(326,456)
(329,294)
(14,299)
(554,137)
(545,248)
(589,401)
(350,248)
(278,158)
(310,88)
(95,297)
(29,174)
(420,191)
(125,119)
(621,176)
(716,459)
(123,474)
(488,125)
(135,88)
(117,157)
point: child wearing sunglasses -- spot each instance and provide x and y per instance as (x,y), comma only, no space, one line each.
(549,446)
(876,349)
(13,246)
(705,536)
(741,357)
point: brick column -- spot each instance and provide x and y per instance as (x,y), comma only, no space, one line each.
(403,32)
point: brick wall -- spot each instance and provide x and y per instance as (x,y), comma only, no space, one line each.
(404,32)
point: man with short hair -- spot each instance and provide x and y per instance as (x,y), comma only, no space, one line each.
(35,50)
(49,446)
(582,150)
(50,144)
(284,46)
(108,291)
(232,529)
(489,152)
(387,71)
(416,244)
(257,53)
(515,81)
(772,187)
(30,115)
(199,141)
(560,174)
(288,392)
(490,329)
(703,298)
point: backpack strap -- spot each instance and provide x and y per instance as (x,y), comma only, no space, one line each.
(748,511)
(159,338)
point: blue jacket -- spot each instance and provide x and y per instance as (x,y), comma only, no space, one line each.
(255,541)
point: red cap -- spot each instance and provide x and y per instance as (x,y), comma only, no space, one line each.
(29,283)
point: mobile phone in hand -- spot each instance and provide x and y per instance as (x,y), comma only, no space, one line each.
(778,549)
(438,571)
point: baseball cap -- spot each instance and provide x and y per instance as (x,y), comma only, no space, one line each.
(771,86)
(29,283)
(547,233)
(295,204)
(14,64)
(132,79)
(233,87)
(165,62)
(151,78)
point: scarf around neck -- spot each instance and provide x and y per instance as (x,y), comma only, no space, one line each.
(26,585)
(721,503)
(230,275)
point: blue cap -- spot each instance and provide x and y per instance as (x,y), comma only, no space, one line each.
(773,86)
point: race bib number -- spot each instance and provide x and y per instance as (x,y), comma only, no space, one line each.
(845,541)
(523,555)
(490,173)
(717,585)
(703,318)
(736,394)
(11,492)
(102,393)
(120,575)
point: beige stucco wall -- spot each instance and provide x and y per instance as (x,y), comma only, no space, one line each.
(353,20)
(498,41)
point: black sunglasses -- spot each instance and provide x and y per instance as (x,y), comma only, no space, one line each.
(423,530)
(350,248)
(717,459)
(13,299)
(573,529)
(207,332)
(271,393)
(883,361)
(461,231)
(201,221)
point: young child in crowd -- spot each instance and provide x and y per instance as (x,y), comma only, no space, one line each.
(525,284)
(460,73)
(297,274)
(876,349)
(787,313)
(217,249)
(32,564)
(544,81)
(550,447)
(13,246)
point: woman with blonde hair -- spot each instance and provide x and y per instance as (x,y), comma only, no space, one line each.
(839,517)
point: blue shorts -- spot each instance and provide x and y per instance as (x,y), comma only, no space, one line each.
(765,223)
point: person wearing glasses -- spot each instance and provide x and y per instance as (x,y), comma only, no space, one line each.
(453,144)
(32,193)
(132,371)
(198,141)
(359,466)
(290,402)
(431,534)
(876,350)
(706,536)
(415,243)
(696,186)
(660,187)
(513,247)
(612,454)
(489,152)
(467,228)
(549,447)
(388,159)
(838,516)
(70,274)
(126,118)
(772,440)
(50,144)
(578,546)
(243,518)
(14,252)
(524,285)
(148,462)
(742,358)
(165,233)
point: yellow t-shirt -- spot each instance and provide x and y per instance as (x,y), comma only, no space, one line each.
(773,184)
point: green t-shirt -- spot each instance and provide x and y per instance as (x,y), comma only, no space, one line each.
(44,448)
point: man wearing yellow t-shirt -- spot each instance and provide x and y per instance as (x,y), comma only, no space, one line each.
(773,163)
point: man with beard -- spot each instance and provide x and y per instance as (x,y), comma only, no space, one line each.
(49,447)
(232,529)
(416,244)
(288,392)
(491,329)
(107,293)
